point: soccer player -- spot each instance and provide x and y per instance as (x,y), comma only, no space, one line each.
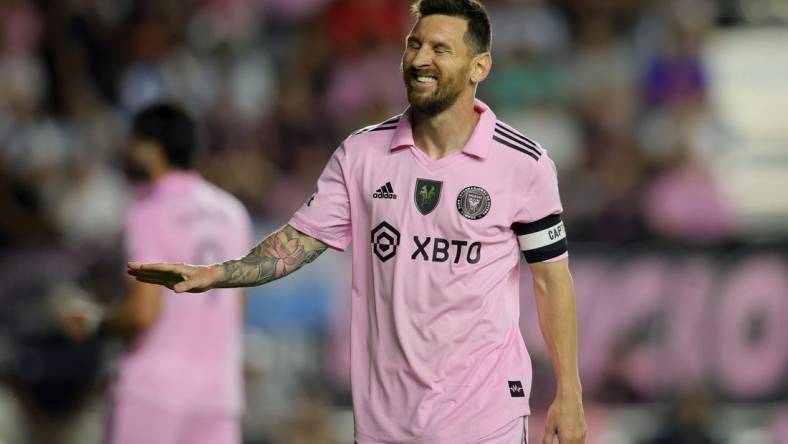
(439,201)
(180,380)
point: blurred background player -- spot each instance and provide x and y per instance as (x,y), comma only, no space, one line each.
(180,378)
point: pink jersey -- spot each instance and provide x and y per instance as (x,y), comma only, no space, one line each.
(191,359)
(436,352)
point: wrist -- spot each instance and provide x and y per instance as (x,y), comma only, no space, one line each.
(569,390)
(219,277)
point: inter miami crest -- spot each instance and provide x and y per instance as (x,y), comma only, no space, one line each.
(474,202)
(427,195)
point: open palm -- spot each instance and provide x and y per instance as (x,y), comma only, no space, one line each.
(177,277)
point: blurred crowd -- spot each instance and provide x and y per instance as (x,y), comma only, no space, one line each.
(616,90)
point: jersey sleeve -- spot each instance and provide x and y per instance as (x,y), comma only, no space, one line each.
(537,222)
(326,215)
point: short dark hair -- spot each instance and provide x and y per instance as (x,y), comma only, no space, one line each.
(478,36)
(172,128)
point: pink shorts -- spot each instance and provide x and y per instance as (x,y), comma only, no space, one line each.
(515,432)
(137,423)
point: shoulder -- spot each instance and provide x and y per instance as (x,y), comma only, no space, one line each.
(144,205)
(373,136)
(512,143)
(228,203)
(387,125)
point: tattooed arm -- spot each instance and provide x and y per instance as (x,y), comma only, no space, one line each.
(278,255)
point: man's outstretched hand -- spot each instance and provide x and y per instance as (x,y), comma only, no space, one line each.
(178,277)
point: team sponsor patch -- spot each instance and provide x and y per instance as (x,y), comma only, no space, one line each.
(474,202)
(385,239)
(516,389)
(427,195)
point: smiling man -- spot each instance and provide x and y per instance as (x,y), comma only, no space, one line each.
(439,200)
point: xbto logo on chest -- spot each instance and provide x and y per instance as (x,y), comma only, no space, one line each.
(386,240)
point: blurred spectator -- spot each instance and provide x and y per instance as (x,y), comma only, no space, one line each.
(779,427)
(684,203)
(311,423)
(688,421)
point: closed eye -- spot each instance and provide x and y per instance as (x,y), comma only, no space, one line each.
(442,49)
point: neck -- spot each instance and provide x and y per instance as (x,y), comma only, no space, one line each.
(447,132)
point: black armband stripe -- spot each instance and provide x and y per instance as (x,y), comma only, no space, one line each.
(542,239)
(539,225)
(547,252)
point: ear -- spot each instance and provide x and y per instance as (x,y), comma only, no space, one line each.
(480,67)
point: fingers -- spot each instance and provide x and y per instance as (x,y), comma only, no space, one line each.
(564,437)
(177,277)
(572,437)
(186,286)
(549,435)
(161,267)
(164,275)
(155,281)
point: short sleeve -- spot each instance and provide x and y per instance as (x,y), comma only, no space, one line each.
(326,215)
(537,221)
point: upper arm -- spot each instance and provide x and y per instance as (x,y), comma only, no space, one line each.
(554,271)
(552,278)
(537,220)
(326,215)
(309,243)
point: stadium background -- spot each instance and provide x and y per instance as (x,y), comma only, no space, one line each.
(666,119)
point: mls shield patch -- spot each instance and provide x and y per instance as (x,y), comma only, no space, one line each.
(474,202)
(427,195)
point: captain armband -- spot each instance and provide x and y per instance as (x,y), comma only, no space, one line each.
(543,239)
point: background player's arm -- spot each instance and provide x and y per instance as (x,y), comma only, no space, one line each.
(139,311)
(278,255)
(555,300)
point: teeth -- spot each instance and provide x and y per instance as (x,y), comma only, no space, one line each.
(425,79)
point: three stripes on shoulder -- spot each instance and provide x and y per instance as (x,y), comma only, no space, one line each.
(515,140)
(389,124)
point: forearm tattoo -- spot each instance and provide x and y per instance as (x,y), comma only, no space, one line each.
(280,254)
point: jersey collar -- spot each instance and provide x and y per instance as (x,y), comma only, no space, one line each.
(478,145)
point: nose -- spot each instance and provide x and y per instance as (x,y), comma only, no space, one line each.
(423,57)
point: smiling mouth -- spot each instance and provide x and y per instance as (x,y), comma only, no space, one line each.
(427,80)
(423,79)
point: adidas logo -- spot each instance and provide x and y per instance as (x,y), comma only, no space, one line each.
(385,192)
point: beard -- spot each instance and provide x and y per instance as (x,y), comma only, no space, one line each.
(434,103)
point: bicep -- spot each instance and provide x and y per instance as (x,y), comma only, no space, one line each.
(550,274)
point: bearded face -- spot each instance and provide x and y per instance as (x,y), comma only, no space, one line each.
(436,63)
(432,92)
